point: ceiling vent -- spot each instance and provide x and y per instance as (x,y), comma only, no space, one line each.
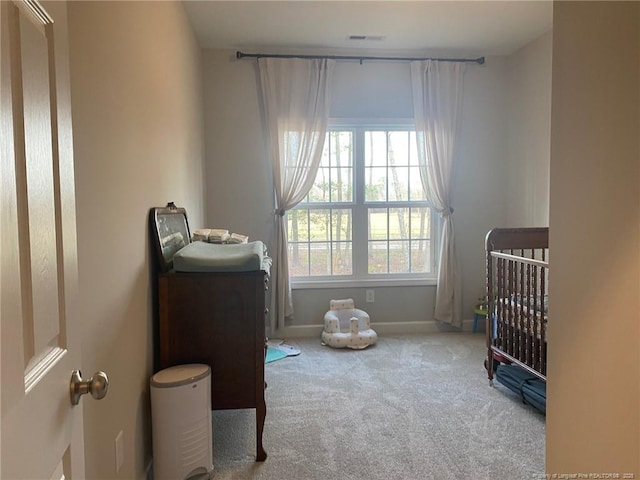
(374,38)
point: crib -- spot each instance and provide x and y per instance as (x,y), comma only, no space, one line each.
(517,297)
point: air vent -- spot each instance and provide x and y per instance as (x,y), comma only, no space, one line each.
(366,37)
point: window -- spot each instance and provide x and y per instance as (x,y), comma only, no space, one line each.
(365,217)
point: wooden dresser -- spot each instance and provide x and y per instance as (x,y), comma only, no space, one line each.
(215,318)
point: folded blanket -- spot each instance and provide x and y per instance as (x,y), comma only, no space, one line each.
(237,238)
(211,235)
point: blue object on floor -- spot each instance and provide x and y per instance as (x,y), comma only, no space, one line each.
(274,354)
(530,388)
(478,312)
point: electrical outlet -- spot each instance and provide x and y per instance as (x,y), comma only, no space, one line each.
(371,296)
(119,451)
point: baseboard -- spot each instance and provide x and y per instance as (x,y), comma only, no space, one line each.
(383,328)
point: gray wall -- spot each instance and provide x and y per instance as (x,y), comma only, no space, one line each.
(239,184)
(528,134)
(137,119)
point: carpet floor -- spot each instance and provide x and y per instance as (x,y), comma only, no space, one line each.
(412,407)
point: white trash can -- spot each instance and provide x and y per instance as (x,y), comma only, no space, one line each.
(181,423)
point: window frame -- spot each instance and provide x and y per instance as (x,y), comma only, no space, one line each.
(359,218)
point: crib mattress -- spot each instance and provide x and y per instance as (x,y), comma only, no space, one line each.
(518,311)
(211,257)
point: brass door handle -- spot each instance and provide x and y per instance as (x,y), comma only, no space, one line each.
(97,386)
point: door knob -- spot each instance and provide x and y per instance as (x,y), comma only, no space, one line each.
(97,386)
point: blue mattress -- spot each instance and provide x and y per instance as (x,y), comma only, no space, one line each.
(531,389)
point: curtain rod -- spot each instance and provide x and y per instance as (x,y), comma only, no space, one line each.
(239,55)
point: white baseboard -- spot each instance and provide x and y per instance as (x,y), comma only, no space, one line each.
(382,328)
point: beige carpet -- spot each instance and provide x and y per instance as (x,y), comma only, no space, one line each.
(413,407)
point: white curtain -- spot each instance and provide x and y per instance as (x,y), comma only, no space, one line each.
(437,101)
(295,93)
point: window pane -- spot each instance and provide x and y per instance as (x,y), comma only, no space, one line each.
(341,149)
(319,226)
(342,185)
(298,259)
(342,258)
(341,224)
(334,178)
(320,190)
(413,149)
(378,257)
(378,224)
(324,159)
(420,223)
(420,256)
(399,223)
(298,225)
(399,256)
(320,258)
(375,184)
(341,178)
(399,187)
(399,148)
(375,149)
(416,192)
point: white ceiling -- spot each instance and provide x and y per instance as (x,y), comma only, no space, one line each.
(454,26)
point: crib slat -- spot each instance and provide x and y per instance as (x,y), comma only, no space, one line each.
(533,333)
(502,327)
(511,282)
(529,327)
(521,312)
(543,331)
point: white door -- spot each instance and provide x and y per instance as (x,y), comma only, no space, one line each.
(42,433)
